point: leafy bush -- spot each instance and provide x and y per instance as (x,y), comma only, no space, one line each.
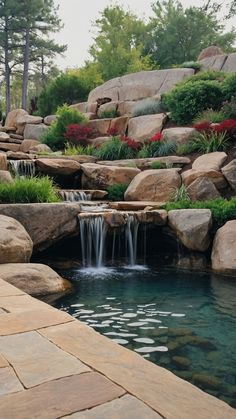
(209,116)
(210,75)
(149,107)
(109,114)
(117,149)
(116,192)
(209,142)
(229,108)
(78,134)
(27,190)
(229,86)
(55,135)
(222,210)
(73,150)
(180,194)
(158,165)
(191,64)
(67,88)
(188,99)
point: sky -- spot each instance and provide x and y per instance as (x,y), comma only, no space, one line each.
(78,15)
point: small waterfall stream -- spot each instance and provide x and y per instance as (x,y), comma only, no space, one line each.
(22,167)
(93,235)
(75,196)
(131,236)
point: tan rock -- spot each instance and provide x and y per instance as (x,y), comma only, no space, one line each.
(230,64)
(81,107)
(120,124)
(34,278)
(61,221)
(229,173)
(114,219)
(90,115)
(143,164)
(9,382)
(15,243)
(100,126)
(192,227)
(139,85)
(108,107)
(21,121)
(100,177)
(26,145)
(40,148)
(153,185)
(179,135)
(57,166)
(18,155)
(210,51)
(9,147)
(217,178)
(210,161)
(215,63)
(4,137)
(135,205)
(154,217)
(5,177)
(99,140)
(144,127)
(48,120)
(3,161)
(126,107)
(223,256)
(202,189)
(92,107)
(12,117)
(34,132)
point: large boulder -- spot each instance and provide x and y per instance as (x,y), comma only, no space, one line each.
(179,135)
(230,64)
(9,147)
(210,51)
(45,223)
(224,249)
(40,148)
(48,120)
(217,178)
(21,122)
(229,172)
(107,107)
(35,131)
(100,127)
(202,189)
(5,177)
(210,161)
(33,278)
(192,227)
(3,161)
(144,127)
(15,243)
(215,63)
(11,120)
(96,176)
(26,145)
(153,185)
(59,166)
(140,85)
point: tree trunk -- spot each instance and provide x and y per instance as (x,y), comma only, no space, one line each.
(26,68)
(7,68)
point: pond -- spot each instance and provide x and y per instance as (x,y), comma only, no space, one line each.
(183,321)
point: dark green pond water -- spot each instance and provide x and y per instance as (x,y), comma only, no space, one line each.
(185,322)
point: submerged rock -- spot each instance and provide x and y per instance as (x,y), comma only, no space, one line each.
(181,361)
(208,381)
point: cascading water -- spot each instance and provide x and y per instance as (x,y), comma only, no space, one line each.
(22,167)
(75,196)
(93,234)
(131,236)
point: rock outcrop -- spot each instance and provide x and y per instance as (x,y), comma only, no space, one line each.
(224,249)
(96,176)
(142,128)
(153,185)
(59,166)
(192,227)
(15,243)
(34,278)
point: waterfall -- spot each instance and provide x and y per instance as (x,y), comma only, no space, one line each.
(93,234)
(131,236)
(22,167)
(75,196)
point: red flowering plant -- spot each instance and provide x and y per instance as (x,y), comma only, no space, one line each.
(113,131)
(134,145)
(78,134)
(228,126)
(204,126)
(157,137)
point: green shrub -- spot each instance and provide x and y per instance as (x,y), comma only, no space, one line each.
(72,150)
(210,75)
(149,107)
(158,165)
(27,190)
(191,64)
(210,116)
(187,100)
(180,194)
(185,149)
(115,149)
(54,136)
(109,114)
(229,86)
(229,108)
(222,210)
(116,192)
(208,142)
(157,149)
(67,88)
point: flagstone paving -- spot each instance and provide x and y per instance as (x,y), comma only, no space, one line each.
(53,366)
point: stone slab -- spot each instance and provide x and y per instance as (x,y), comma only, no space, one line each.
(21,303)
(9,382)
(60,397)
(36,360)
(127,407)
(12,323)
(3,362)
(170,396)
(6,290)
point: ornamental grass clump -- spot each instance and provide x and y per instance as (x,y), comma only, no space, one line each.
(29,190)
(157,146)
(149,107)
(118,148)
